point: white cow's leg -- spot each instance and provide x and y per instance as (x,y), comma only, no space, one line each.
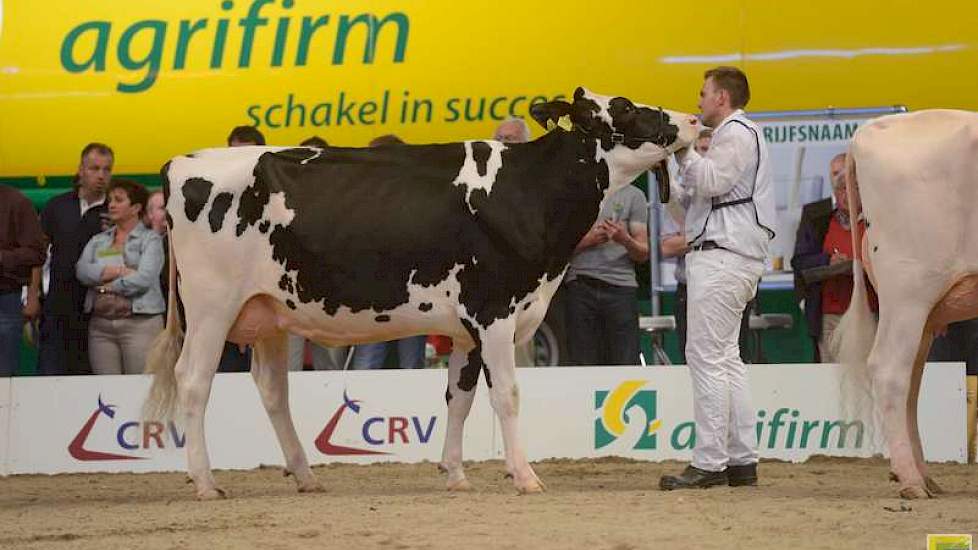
(194,374)
(498,353)
(270,371)
(459,396)
(897,344)
(912,428)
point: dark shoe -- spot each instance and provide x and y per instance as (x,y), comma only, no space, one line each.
(693,478)
(742,476)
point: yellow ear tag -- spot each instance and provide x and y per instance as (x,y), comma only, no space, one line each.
(550,125)
(565,123)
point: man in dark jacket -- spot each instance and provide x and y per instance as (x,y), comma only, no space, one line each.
(824,238)
(69,221)
(21,250)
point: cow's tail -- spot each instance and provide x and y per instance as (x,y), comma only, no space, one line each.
(853,340)
(162,359)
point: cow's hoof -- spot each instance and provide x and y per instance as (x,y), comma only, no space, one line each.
(914,492)
(312,487)
(533,487)
(932,487)
(211,494)
(460,485)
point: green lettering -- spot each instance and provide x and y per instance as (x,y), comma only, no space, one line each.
(374,26)
(367,108)
(151,60)
(305,36)
(806,428)
(97,57)
(843,432)
(183,41)
(687,440)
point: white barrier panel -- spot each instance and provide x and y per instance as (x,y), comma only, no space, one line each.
(5,400)
(85,424)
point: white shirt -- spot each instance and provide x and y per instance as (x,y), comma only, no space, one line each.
(86,206)
(726,173)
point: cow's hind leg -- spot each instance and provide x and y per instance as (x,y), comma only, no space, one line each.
(497,350)
(462,381)
(271,376)
(194,375)
(897,344)
(912,399)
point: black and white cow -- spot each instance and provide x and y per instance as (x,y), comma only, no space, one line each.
(346,245)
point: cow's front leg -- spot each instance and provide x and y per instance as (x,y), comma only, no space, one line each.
(498,353)
(462,380)
(194,373)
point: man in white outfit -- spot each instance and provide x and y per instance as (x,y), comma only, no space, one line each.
(731,211)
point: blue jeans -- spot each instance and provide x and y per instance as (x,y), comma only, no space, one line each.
(410,354)
(11,327)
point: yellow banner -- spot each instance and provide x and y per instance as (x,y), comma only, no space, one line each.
(155,79)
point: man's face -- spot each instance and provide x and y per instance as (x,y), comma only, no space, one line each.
(711,101)
(95,172)
(837,171)
(509,132)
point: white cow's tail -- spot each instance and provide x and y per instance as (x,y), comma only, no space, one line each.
(162,359)
(853,339)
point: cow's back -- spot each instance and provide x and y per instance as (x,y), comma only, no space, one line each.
(918,181)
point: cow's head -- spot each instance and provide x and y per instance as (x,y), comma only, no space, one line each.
(631,137)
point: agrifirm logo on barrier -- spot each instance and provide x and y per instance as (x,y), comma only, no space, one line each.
(131,436)
(614,414)
(784,429)
(375,431)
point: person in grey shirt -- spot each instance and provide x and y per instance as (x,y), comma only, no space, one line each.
(602,308)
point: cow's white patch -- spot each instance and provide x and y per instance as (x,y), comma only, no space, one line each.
(276,212)
(469,176)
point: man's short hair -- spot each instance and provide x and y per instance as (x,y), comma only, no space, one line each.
(705,133)
(388,139)
(315,141)
(246,134)
(514,120)
(99,148)
(135,191)
(734,81)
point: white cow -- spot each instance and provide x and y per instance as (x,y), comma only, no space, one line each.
(914,177)
(344,246)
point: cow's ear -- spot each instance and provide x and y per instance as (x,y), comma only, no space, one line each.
(549,112)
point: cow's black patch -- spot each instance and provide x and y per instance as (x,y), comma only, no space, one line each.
(285,283)
(368,221)
(291,304)
(480,153)
(264,226)
(382,318)
(485,370)
(219,208)
(641,123)
(169,220)
(425,306)
(196,191)
(527,305)
(468,378)
(448,395)
(191,155)
(165,178)
(875,248)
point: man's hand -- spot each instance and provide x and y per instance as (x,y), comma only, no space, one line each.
(595,236)
(32,308)
(616,231)
(838,257)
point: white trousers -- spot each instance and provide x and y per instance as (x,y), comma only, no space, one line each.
(720,283)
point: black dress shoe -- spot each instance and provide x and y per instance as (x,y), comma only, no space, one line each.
(742,476)
(693,478)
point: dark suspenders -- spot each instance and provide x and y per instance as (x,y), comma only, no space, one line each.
(714,205)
